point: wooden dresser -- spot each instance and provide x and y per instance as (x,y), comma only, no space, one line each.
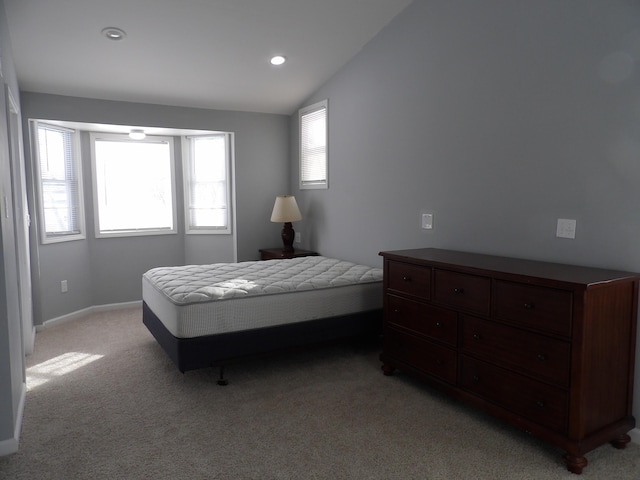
(547,347)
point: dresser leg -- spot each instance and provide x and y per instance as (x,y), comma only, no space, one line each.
(388,370)
(621,442)
(575,464)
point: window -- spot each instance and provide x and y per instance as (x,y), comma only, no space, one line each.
(59,183)
(207,183)
(313,146)
(133,185)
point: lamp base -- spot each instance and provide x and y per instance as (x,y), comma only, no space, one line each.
(288,234)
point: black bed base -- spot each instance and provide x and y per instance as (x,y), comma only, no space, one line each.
(218,350)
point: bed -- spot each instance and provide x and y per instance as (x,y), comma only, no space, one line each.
(210,315)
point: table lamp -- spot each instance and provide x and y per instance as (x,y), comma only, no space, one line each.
(286,210)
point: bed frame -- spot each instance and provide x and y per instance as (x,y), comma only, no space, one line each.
(221,349)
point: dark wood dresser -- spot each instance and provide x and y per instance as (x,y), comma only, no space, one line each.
(547,347)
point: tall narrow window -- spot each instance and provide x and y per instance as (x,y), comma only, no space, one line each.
(207,179)
(313,146)
(133,185)
(59,183)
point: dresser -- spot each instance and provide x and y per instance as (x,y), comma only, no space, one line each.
(546,347)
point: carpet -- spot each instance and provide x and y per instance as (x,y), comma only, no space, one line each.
(105,402)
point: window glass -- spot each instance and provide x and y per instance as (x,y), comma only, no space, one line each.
(207,183)
(313,146)
(133,185)
(59,183)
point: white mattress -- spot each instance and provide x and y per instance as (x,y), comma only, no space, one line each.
(197,300)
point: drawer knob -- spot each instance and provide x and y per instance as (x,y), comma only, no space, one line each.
(476,378)
(528,306)
(458,291)
(406,279)
(396,310)
(542,357)
(439,324)
(540,404)
(477,336)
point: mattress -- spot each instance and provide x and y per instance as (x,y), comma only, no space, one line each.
(198,300)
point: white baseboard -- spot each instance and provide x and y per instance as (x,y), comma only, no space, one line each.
(10,445)
(86,311)
(635,435)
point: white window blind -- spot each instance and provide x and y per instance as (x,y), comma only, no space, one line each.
(313,146)
(207,168)
(60,187)
(133,185)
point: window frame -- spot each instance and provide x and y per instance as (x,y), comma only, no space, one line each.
(80,232)
(121,137)
(304,113)
(187,163)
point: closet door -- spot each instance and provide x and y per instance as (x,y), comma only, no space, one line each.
(21,220)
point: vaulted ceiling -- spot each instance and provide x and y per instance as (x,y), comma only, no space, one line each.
(195,53)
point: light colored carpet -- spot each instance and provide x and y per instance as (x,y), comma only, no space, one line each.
(105,402)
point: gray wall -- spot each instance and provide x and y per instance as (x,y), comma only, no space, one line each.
(12,380)
(494,116)
(498,117)
(106,271)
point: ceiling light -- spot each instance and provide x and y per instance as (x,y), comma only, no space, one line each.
(278,60)
(137,134)
(113,33)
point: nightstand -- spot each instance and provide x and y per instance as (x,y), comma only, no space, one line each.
(274,253)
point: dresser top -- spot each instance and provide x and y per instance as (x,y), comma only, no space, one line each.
(516,267)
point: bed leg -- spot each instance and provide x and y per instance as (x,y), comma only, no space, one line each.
(222,381)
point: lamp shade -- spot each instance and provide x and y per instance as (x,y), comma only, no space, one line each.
(285,209)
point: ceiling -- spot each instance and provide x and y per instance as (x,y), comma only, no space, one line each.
(194,53)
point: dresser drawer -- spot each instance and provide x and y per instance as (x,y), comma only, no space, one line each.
(435,360)
(528,398)
(544,309)
(543,357)
(462,291)
(409,279)
(433,322)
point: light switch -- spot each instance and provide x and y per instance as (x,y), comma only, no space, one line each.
(566,228)
(427,221)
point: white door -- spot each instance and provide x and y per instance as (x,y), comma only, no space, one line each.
(22,221)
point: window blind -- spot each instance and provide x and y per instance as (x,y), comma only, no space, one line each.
(313,146)
(59,181)
(207,182)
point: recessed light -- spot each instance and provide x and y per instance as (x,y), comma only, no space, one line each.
(278,60)
(113,33)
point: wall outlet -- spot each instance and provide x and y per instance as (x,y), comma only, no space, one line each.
(64,288)
(427,221)
(298,237)
(566,228)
